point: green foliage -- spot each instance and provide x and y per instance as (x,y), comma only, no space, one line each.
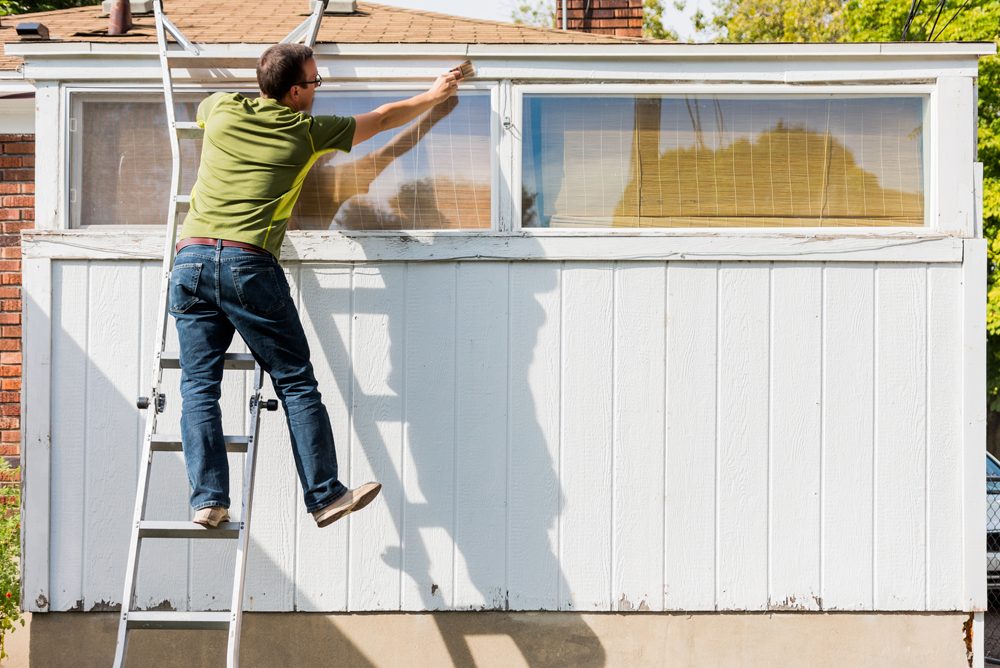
(767,21)
(540,13)
(652,21)
(10,557)
(9,7)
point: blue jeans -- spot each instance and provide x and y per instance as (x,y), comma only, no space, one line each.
(215,292)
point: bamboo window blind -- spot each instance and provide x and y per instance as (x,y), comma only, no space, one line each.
(434,173)
(705,161)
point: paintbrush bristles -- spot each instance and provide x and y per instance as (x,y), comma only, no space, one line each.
(466,69)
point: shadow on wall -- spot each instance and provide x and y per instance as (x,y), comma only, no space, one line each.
(92,306)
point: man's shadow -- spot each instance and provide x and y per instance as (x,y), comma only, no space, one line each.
(471,487)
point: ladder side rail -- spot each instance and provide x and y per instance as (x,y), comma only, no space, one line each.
(319,7)
(156,378)
(176,33)
(307,31)
(242,545)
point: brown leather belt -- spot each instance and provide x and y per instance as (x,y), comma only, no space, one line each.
(208,241)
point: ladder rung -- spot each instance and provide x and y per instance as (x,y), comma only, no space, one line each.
(239,361)
(182,200)
(189,130)
(172,443)
(140,619)
(187,530)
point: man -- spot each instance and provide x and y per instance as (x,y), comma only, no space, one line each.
(226,277)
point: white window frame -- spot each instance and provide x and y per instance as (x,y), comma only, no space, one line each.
(928,92)
(75,95)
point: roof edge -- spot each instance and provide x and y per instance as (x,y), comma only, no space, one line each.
(642,50)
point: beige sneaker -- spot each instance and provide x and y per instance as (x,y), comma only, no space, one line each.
(211,517)
(355,499)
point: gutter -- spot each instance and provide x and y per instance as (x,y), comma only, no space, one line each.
(562,51)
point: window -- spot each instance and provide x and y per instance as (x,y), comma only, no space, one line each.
(431,174)
(714,161)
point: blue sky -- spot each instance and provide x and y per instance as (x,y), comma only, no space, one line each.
(500,10)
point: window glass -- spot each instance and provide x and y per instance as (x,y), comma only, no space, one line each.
(120,169)
(430,174)
(707,161)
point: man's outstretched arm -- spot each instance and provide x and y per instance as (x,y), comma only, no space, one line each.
(394,114)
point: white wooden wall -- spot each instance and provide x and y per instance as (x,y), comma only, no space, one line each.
(585,436)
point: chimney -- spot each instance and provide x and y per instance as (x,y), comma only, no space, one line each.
(607,17)
(121,18)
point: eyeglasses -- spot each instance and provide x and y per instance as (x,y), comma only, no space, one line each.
(318,81)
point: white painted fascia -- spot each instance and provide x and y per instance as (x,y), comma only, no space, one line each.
(587,51)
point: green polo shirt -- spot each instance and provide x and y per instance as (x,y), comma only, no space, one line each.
(254,158)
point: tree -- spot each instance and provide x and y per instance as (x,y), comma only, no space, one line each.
(10,7)
(765,21)
(540,13)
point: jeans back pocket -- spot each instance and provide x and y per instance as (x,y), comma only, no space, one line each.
(258,288)
(184,286)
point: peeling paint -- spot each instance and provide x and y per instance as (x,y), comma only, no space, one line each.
(967,631)
(643,607)
(105,606)
(625,605)
(434,589)
(78,606)
(791,603)
(42,601)
(163,606)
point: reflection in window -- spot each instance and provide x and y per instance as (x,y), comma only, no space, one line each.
(717,162)
(433,173)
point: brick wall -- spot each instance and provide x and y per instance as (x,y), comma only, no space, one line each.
(608,17)
(17,212)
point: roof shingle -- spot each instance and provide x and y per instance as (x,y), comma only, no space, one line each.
(268,21)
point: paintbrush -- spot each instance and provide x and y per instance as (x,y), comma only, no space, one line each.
(466,69)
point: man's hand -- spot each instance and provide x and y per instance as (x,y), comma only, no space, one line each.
(394,114)
(446,85)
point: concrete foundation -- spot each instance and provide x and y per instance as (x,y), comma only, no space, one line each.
(512,639)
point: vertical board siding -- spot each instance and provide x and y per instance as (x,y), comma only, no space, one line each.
(575,436)
(637,449)
(377,358)
(848,437)
(795,436)
(113,305)
(326,317)
(429,446)
(743,492)
(480,533)
(900,433)
(534,494)
(944,442)
(69,449)
(692,389)
(585,467)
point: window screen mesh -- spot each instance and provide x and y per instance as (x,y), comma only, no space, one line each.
(717,162)
(432,173)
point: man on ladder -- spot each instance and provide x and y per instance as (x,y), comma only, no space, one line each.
(226,278)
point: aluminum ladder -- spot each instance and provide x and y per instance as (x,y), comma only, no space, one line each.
(186,55)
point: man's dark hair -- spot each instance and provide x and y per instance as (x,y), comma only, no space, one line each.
(281,67)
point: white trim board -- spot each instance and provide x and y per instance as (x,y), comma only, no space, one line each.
(132,243)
